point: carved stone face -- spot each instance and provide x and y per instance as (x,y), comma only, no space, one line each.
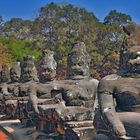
(47,66)
(5,74)
(29,71)
(78,62)
(130,51)
(15,72)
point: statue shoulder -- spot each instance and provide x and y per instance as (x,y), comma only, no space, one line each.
(107,84)
(111,77)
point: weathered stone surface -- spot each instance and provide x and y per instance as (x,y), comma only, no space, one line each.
(15,72)
(29,71)
(77,124)
(78,62)
(78,92)
(47,66)
(73,92)
(85,133)
(74,113)
(64,93)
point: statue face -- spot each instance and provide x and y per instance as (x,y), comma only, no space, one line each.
(78,61)
(48,53)
(14,77)
(28,69)
(47,66)
(15,72)
(5,74)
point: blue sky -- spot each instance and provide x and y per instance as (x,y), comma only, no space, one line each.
(28,9)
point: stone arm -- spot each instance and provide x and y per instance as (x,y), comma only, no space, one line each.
(32,92)
(34,88)
(107,107)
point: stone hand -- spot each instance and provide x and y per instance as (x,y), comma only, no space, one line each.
(119,129)
(124,137)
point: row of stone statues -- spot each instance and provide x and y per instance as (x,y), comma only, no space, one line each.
(34,97)
(78,67)
(69,104)
(27,71)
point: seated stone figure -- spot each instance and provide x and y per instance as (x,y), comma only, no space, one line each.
(15,72)
(78,62)
(78,91)
(47,66)
(5,74)
(29,72)
(4,79)
(119,94)
(72,98)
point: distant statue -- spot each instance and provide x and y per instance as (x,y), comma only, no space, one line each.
(47,66)
(119,94)
(78,62)
(4,79)
(5,74)
(28,71)
(15,72)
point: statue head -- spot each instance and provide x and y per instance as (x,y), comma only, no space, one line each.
(15,72)
(47,66)
(47,53)
(28,70)
(5,74)
(78,61)
(130,49)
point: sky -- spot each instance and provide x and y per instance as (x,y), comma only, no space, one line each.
(28,9)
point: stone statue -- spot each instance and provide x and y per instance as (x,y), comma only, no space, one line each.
(4,79)
(118,94)
(73,98)
(47,66)
(5,74)
(78,62)
(28,71)
(15,72)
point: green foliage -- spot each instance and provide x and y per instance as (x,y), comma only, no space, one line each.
(18,48)
(1,20)
(5,56)
(117,18)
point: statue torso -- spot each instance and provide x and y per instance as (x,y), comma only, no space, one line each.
(126,92)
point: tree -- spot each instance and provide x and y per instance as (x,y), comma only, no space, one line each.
(17,28)
(1,20)
(117,18)
(61,23)
(5,56)
(108,42)
(1,24)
